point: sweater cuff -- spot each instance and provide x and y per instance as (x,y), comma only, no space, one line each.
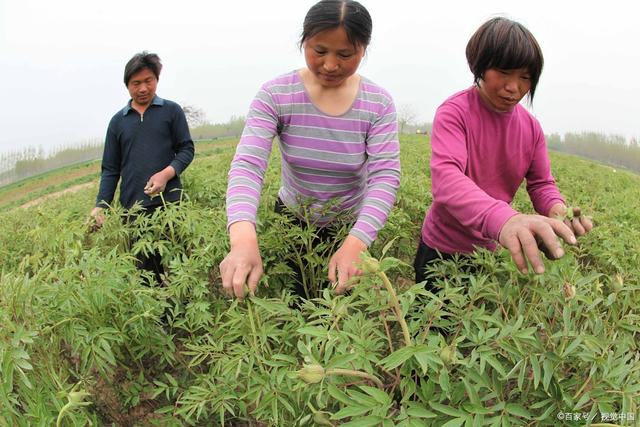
(177,166)
(362,236)
(496,220)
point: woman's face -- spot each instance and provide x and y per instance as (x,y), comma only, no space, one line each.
(331,57)
(501,89)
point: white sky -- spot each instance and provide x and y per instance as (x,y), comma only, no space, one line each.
(61,62)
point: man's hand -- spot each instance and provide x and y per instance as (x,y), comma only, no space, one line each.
(345,261)
(97,215)
(522,234)
(158,181)
(243,264)
(580,224)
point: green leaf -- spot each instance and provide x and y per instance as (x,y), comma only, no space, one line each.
(24,364)
(472,394)
(494,363)
(446,409)
(550,410)
(398,357)
(363,399)
(388,245)
(364,422)
(379,395)
(389,263)
(339,395)
(548,373)
(424,358)
(418,411)
(456,422)
(443,380)
(343,360)
(583,400)
(574,344)
(535,365)
(523,370)
(541,404)
(314,331)
(518,410)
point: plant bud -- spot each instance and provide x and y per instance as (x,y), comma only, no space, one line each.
(311,374)
(321,419)
(569,291)
(576,212)
(618,283)
(77,397)
(448,354)
(370,265)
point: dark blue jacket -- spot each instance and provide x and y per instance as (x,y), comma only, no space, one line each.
(136,147)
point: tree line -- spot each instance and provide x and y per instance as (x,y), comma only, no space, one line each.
(614,150)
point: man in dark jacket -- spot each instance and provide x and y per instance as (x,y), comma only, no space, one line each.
(147,147)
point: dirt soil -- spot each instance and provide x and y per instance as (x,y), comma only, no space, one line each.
(46,197)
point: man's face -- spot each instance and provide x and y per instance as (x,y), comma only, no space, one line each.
(142,87)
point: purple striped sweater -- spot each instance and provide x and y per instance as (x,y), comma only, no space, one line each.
(350,162)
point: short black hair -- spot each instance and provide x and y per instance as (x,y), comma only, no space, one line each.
(139,62)
(330,14)
(504,44)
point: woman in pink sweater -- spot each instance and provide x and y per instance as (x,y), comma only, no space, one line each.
(484,144)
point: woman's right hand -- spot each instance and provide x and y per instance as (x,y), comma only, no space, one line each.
(523,234)
(243,264)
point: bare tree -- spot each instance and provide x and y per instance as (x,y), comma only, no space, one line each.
(406,116)
(195,115)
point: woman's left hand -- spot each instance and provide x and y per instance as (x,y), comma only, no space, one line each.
(345,261)
(579,224)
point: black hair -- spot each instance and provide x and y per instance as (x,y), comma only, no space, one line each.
(330,14)
(139,62)
(504,44)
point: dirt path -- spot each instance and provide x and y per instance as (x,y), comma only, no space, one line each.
(46,197)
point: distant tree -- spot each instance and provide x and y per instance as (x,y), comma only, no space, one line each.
(406,116)
(195,115)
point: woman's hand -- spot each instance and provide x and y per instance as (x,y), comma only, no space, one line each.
(525,235)
(243,264)
(345,261)
(580,224)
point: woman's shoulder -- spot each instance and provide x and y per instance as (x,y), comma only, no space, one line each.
(372,91)
(462,98)
(287,82)
(458,104)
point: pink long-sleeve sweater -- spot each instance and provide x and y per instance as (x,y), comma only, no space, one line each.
(479,159)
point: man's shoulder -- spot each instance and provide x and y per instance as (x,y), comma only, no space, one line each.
(119,115)
(166,102)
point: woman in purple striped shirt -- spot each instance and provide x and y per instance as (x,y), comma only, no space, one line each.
(338,140)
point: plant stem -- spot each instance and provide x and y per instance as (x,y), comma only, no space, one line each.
(396,307)
(62,412)
(352,373)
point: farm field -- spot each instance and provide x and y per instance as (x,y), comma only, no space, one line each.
(26,191)
(84,341)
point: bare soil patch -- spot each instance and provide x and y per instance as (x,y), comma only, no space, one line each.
(46,197)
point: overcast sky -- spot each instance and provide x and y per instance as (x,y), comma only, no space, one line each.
(61,62)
